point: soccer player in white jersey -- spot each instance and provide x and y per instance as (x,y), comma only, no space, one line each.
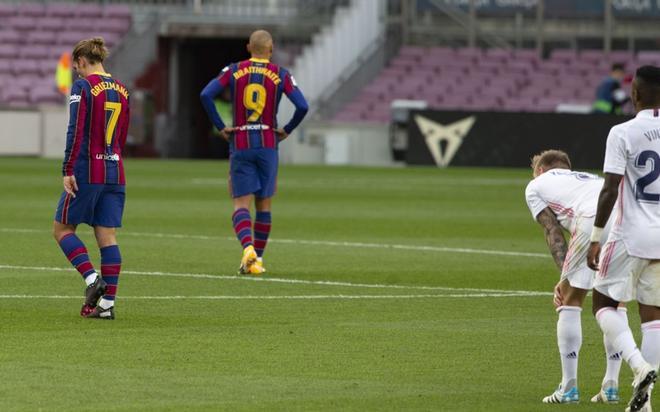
(561,199)
(629,265)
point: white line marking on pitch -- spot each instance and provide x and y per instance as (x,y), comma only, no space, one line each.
(287,297)
(295,281)
(321,243)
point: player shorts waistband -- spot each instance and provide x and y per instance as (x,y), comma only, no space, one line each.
(253,127)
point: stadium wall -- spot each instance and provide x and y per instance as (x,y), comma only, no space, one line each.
(448,138)
(340,144)
(33,133)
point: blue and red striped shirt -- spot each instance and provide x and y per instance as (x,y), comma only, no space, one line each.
(98,124)
(256,87)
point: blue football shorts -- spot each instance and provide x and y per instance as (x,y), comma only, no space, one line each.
(94,204)
(253,171)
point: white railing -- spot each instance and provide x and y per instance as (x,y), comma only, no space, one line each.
(335,49)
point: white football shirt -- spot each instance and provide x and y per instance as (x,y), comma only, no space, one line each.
(569,194)
(633,151)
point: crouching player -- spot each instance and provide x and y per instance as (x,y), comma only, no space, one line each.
(562,199)
(94,175)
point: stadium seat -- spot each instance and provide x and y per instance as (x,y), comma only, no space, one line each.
(494,79)
(33,36)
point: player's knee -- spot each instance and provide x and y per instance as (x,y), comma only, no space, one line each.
(60,230)
(648,313)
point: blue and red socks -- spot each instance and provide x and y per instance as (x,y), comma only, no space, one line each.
(74,250)
(261,232)
(243,226)
(110,268)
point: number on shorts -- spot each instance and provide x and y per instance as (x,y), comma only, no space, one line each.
(114,108)
(644,181)
(254,98)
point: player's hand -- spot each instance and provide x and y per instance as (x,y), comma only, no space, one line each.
(281,134)
(70,185)
(593,255)
(226,133)
(557,299)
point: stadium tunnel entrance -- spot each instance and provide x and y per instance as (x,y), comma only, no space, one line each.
(198,61)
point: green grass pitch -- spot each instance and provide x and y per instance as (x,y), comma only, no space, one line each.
(387,289)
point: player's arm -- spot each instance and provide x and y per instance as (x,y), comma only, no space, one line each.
(554,236)
(296,97)
(77,113)
(606,200)
(208,95)
(616,158)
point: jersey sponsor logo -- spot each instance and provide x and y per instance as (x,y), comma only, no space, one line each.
(102,86)
(452,135)
(74,98)
(254,127)
(258,70)
(112,157)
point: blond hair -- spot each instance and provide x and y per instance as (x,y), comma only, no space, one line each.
(93,50)
(551,159)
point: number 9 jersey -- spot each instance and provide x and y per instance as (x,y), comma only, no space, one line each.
(633,151)
(256,87)
(98,125)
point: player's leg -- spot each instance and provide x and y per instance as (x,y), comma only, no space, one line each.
(262,225)
(648,295)
(609,390)
(569,341)
(243,183)
(70,212)
(267,165)
(110,264)
(107,217)
(614,283)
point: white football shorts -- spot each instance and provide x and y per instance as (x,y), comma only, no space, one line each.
(625,278)
(575,268)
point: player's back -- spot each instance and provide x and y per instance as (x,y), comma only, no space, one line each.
(567,193)
(98,129)
(256,86)
(633,150)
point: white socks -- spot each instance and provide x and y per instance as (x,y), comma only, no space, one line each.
(569,340)
(651,342)
(613,356)
(617,332)
(106,304)
(91,278)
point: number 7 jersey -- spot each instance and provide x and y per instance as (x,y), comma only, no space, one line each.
(256,87)
(98,125)
(633,151)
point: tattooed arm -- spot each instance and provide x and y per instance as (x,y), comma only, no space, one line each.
(554,236)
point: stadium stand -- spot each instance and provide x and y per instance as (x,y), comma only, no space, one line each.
(34,35)
(491,79)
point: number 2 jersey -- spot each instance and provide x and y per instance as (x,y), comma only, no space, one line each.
(256,87)
(567,193)
(633,151)
(98,124)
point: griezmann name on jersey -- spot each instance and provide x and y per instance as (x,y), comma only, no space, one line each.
(98,125)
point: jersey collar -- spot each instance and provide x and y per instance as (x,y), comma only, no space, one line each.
(254,59)
(649,113)
(102,74)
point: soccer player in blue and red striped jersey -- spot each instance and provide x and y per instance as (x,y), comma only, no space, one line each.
(93,175)
(256,86)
